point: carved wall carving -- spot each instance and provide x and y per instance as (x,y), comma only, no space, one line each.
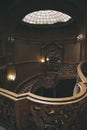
(66,117)
(7,114)
(53,53)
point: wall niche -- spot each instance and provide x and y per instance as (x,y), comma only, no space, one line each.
(53,54)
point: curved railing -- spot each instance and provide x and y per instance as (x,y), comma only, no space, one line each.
(82,71)
(25,110)
(59,101)
(43,100)
(28,83)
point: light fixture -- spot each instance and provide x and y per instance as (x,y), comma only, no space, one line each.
(80,37)
(11,73)
(42,60)
(47,59)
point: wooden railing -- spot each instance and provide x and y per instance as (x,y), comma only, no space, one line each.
(28,111)
(22,110)
(27,84)
(82,72)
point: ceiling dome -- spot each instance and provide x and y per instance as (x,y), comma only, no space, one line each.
(46,17)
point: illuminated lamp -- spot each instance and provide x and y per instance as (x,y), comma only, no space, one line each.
(11,73)
(42,60)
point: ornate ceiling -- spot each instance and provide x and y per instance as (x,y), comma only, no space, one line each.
(13,11)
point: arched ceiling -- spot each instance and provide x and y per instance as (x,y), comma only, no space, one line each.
(13,11)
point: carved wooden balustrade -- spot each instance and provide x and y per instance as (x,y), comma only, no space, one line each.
(28,111)
(7,113)
(13,110)
(23,110)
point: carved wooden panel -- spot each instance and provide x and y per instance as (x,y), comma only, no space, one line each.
(55,117)
(7,114)
(53,53)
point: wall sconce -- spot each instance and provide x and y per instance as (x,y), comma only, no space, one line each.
(42,60)
(80,37)
(11,73)
(47,59)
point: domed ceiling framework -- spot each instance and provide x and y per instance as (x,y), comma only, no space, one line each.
(17,9)
(46,17)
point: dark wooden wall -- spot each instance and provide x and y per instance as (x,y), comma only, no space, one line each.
(28,43)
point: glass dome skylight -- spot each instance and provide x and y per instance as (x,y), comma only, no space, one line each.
(46,17)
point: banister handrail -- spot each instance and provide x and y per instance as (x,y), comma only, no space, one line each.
(44,100)
(12,95)
(80,73)
(64,100)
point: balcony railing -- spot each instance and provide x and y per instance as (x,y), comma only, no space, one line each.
(28,111)
(22,111)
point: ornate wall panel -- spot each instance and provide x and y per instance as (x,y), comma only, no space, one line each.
(7,113)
